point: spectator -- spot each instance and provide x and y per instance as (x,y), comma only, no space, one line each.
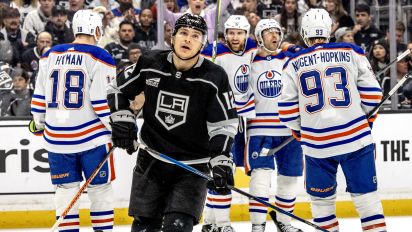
(379,57)
(289,17)
(110,30)
(36,20)
(13,33)
(145,32)
(126,11)
(399,32)
(17,102)
(119,49)
(134,52)
(6,52)
(167,38)
(31,57)
(340,17)
(58,28)
(74,6)
(344,34)
(196,8)
(364,31)
(305,5)
(253,20)
(171,5)
(24,7)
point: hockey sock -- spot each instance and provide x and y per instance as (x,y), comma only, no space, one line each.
(208,215)
(285,196)
(101,208)
(370,210)
(220,205)
(64,195)
(324,212)
(259,187)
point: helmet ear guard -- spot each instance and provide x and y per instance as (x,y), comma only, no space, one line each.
(316,23)
(266,24)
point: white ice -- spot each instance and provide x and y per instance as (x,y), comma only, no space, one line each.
(394,224)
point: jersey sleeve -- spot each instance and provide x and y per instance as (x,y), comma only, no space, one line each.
(38,102)
(125,87)
(102,74)
(222,120)
(288,104)
(367,85)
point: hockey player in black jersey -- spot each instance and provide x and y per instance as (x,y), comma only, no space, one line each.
(188,115)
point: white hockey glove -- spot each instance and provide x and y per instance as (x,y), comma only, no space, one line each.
(222,173)
(124,130)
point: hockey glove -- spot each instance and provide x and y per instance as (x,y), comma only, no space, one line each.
(222,172)
(33,129)
(124,130)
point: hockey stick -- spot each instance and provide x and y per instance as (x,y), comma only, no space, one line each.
(79,193)
(215,35)
(397,59)
(371,113)
(203,175)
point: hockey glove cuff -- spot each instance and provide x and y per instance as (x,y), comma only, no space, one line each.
(222,171)
(124,129)
(34,129)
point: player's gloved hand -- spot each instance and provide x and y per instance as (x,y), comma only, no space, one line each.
(34,129)
(222,173)
(296,134)
(124,130)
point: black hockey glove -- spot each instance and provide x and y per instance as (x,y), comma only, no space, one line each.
(222,173)
(124,130)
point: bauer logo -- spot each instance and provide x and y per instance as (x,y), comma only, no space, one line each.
(269,84)
(242,78)
(171,109)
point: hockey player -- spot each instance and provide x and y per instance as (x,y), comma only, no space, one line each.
(234,57)
(69,103)
(328,89)
(188,115)
(265,132)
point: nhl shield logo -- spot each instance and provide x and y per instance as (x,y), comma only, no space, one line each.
(241,80)
(269,84)
(171,109)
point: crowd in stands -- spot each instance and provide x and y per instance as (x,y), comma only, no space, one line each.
(28,28)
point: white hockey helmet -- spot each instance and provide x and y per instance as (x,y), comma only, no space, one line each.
(237,22)
(265,24)
(86,22)
(316,23)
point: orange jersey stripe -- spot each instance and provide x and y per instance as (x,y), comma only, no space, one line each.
(257,204)
(372,97)
(263,120)
(330,226)
(285,206)
(36,103)
(75,134)
(327,137)
(289,111)
(101,108)
(219,200)
(102,220)
(374,226)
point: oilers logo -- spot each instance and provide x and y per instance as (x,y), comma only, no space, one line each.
(269,84)
(242,78)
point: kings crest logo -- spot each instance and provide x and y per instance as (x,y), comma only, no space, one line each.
(269,84)
(171,109)
(242,78)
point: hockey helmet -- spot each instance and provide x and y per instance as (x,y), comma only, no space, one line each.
(192,21)
(86,22)
(316,23)
(267,24)
(237,22)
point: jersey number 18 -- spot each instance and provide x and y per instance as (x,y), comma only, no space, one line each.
(73,89)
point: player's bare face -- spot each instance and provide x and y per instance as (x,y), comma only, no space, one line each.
(271,38)
(187,42)
(379,52)
(236,39)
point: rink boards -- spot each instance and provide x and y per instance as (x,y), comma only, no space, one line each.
(26,195)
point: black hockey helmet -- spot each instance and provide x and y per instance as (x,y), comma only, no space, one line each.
(192,21)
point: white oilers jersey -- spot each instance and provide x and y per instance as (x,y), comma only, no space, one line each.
(70,97)
(266,83)
(238,69)
(327,92)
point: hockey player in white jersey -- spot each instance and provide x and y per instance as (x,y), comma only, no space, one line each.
(265,132)
(235,57)
(70,104)
(328,89)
